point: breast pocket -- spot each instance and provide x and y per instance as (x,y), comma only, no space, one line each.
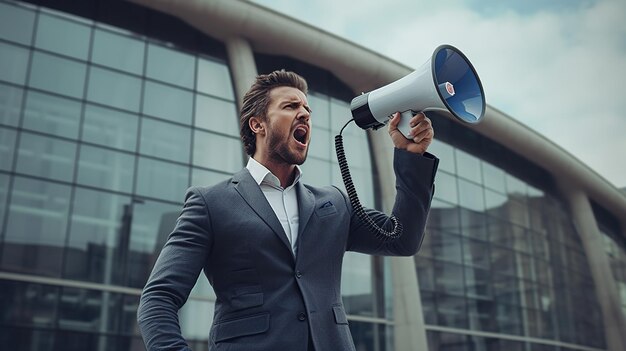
(326,209)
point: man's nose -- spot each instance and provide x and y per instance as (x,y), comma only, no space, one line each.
(304,114)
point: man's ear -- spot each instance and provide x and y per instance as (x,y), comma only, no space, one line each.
(256,125)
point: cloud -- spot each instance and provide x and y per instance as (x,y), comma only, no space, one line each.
(559,70)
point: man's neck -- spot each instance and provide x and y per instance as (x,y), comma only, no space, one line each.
(284,172)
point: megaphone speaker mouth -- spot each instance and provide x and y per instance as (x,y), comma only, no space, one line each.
(450,67)
(448,81)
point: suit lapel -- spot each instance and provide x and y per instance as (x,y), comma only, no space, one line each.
(306,205)
(250,191)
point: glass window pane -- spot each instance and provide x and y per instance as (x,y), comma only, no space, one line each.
(515,187)
(444,216)
(36,224)
(214,79)
(53,115)
(171,66)
(46,157)
(495,203)
(168,103)
(473,224)
(4,191)
(162,180)
(446,188)
(445,153)
(356,148)
(128,323)
(114,89)
(339,115)
(16,23)
(317,172)
(493,177)
(10,104)
(13,63)
(152,222)
(481,314)
(7,148)
(356,284)
(425,273)
(118,51)
(110,128)
(217,115)
(195,319)
(476,253)
(58,75)
(451,312)
(320,106)
(478,283)
(217,152)
(100,224)
(471,196)
(106,169)
(448,277)
(165,140)
(81,309)
(503,261)
(320,144)
(30,304)
(468,166)
(62,36)
(201,177)
(446,247)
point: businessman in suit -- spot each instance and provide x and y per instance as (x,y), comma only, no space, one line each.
(271,246)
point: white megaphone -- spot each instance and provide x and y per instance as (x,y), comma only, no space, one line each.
(446,82)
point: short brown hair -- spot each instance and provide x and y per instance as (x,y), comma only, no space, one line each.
(257,100)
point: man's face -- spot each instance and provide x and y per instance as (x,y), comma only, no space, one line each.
(288,126)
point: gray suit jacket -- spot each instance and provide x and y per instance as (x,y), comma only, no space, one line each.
(267,299)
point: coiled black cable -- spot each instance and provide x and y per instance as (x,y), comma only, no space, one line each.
(380,233)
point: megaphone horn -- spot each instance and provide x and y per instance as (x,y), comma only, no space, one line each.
(447,82)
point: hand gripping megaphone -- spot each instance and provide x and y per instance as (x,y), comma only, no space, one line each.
(446,82)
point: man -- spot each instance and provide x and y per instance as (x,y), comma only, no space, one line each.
(271,246)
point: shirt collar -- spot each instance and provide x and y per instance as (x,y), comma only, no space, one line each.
(263,175)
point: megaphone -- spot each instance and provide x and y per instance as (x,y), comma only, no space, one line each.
(446,82)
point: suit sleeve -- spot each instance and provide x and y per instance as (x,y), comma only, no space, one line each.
(415,176)
(174,274)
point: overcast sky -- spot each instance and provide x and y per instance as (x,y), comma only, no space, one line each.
(558,66)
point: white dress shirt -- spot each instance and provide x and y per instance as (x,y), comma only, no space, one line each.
(284,202)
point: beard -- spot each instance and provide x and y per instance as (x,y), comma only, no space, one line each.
(281,152)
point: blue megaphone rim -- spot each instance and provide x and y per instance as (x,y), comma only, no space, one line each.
(433,61)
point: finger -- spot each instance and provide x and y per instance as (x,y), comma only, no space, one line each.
(395,120)
(415,120)
(424,135)
(421,126)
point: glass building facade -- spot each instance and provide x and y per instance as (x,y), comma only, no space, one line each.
(109,111)
(503,260)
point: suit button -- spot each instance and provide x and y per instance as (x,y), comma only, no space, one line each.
(301,316)
(298,274)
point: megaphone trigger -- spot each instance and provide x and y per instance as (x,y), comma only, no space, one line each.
(405,123)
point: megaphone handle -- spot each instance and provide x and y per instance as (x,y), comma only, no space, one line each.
(405,123)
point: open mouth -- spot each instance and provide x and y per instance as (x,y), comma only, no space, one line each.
(300,134)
